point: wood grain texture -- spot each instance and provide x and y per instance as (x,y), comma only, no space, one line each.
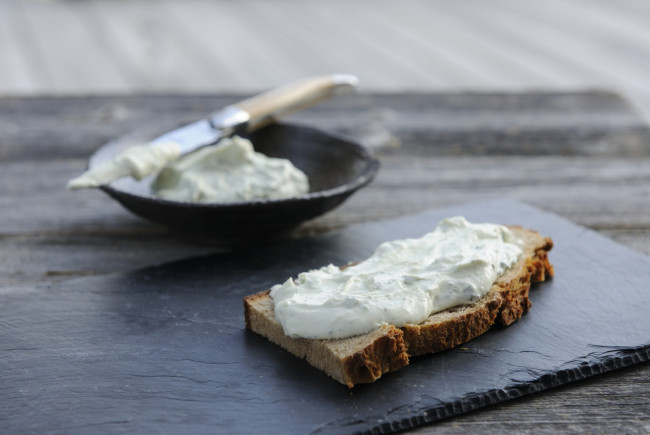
(65,47)
(576,408)
(452,124)
(584,156)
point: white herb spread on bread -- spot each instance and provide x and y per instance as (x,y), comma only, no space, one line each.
(229,172)
(403,282)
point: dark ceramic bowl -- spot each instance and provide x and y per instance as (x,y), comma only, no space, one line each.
(336,169)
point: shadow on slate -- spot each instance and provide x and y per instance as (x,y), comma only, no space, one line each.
(164,349)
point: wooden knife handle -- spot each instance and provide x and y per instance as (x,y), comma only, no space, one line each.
(269,106)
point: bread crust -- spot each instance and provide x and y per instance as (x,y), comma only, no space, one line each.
(365,358)
(360,359)
(504,304)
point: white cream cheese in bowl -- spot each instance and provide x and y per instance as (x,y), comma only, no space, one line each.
(336,168)
(229,172)
(138,161)
(404,281)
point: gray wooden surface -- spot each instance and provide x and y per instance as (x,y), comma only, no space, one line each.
(100,46)
(584,156)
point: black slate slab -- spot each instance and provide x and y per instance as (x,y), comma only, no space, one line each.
(164,349)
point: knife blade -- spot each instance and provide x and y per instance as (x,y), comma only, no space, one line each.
(247,115)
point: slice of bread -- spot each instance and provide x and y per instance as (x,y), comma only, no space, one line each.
(364,358)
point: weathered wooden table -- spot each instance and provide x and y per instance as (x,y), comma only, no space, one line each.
(584,156)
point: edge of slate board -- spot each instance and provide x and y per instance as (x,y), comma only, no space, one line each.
(625,358)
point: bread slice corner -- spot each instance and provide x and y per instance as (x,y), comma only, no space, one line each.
(359,359)
(505,303)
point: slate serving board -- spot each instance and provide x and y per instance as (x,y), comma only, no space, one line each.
(164,349)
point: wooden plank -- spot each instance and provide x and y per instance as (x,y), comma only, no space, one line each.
(16,75)
(385,53)
(215,30)
(50,235)
(617,28)
(569,409)
(425,42)
(53,232)
(629,9)
(319,42)
(481,20)
(531,124)
(342,37)
(146,41)
(22,56)
(563,41)
(204,46)
(434,29)
(102,31)
(543,41)
(73,58)
(588,197)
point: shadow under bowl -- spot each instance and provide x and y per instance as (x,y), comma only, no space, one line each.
(336,168)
